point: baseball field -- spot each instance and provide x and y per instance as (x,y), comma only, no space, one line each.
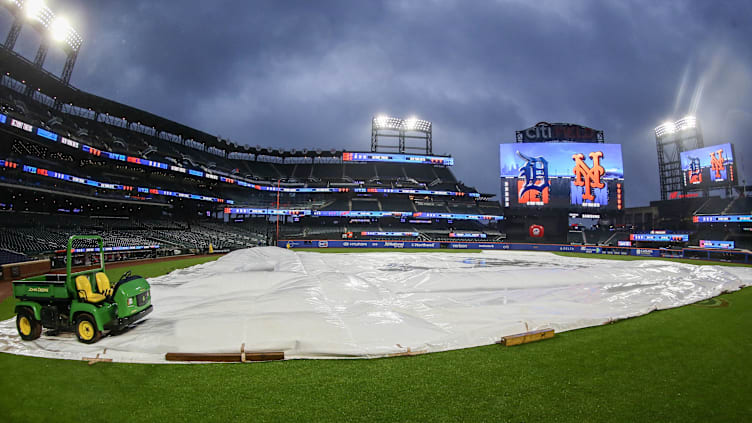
(683,364)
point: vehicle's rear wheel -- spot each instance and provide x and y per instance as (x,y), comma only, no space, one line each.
(86,329)
(28,327)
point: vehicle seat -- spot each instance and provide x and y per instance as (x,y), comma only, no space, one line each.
(83,286)
(103,284)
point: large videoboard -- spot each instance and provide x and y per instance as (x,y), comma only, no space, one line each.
(708,167)
(580,176)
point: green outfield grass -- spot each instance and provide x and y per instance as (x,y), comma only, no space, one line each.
(150,270)
(689,364)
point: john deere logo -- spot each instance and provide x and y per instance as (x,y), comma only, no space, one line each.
(39,289)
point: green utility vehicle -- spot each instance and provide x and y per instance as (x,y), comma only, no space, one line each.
(84,302)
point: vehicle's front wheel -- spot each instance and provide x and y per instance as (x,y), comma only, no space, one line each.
(28,327)
(86,329)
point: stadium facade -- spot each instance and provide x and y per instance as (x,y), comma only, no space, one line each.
(71,161)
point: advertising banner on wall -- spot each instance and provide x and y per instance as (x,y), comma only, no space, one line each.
(544,131)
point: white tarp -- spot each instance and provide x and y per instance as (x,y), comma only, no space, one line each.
(313,305)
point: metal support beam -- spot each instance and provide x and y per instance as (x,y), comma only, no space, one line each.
(407,141)
(374,139)
(15,30)
(70,61)
(669,148)
(41,54)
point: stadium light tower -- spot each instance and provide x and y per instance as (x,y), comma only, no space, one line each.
(412,134)
(53,28)
(671,139)
(14,6)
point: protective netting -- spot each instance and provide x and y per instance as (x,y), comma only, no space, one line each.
(313,305)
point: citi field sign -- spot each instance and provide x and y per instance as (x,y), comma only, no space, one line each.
(544,131)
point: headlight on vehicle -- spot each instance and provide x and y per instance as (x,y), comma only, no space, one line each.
(130,301)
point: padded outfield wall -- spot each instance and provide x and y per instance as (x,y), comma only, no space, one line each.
(706,254)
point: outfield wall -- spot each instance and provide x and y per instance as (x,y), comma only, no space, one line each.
(705,254)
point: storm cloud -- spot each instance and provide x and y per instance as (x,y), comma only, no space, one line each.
(312,74)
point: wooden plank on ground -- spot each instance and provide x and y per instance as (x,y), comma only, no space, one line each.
(236,357)
(524,338)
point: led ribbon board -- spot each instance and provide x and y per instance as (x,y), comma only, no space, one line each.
(722,218)
(96,184)
(659,237)
(414,191)
(396,158)
(361,213)
(280,212)
(721,245)
(377,233)
(466,235)
(111,249)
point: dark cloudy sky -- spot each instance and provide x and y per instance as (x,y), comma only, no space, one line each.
(311,74)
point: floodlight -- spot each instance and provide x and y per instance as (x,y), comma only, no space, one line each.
(414,124)
(381,121)
(397,124)
(687,122)
(387,122)
(36,10)
(422,125)
(394,123)
(33,8)
(666,128)
(60,29)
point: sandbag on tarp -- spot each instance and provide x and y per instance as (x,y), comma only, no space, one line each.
(314,305)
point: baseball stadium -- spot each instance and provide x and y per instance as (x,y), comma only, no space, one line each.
(153,271)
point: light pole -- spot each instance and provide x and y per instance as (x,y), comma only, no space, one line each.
(277,239)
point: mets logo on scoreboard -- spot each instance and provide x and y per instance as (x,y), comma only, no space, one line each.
(716,165)
(586,176)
